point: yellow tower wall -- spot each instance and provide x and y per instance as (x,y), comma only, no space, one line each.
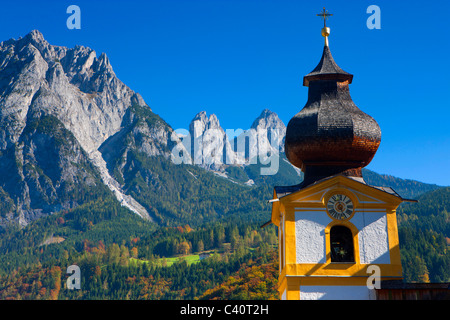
(304,234)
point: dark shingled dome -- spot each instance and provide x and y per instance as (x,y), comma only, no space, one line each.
(330,135)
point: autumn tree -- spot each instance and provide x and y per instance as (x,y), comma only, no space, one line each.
(184,247)
(134,252)
(55,273)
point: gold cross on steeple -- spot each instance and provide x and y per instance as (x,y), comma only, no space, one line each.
(324,15)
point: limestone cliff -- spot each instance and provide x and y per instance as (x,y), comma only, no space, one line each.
(67,91)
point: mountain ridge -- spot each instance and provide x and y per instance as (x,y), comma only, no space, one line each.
(66,106)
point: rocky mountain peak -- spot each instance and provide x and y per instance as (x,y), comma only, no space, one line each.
(214,122)
(70,86)
(209,144)
(103,63)
(212,149)
(202,123)
(270,130)
(81,90)
(268,119)
(201,116)
(35,36)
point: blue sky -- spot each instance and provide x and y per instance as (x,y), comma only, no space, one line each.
(236,57)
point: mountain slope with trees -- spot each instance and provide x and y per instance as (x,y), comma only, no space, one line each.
(424,231)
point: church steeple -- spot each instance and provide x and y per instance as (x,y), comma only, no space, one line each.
(330,135)
(327,69)
(334,229)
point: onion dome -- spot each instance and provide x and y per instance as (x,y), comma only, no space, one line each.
(330,135)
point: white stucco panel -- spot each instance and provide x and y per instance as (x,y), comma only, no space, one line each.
(336,293)
(373,237)
(310,236)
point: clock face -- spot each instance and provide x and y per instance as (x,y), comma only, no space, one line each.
(340,207)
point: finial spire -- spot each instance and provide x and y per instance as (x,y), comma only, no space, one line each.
(324,15)
(325,30)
